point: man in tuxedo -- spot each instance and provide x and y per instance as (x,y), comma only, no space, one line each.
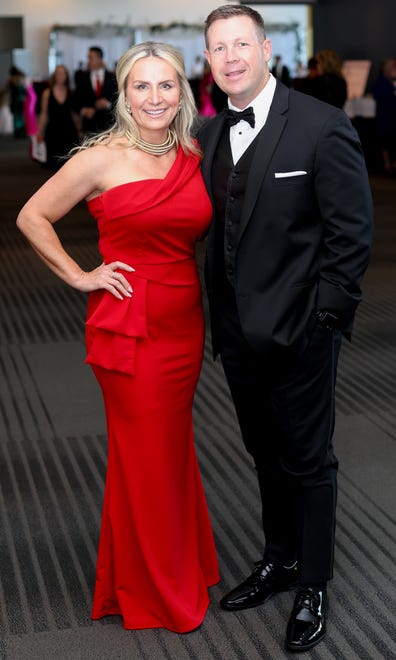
(287,249)
(96,94)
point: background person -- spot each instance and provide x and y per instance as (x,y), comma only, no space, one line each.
(286,252)
(281,71)
(95,94)
(58,123)
(17,90)
(29,108)
(329,84)
(6,118)
(384,92)
(206,107)
(145,337)
(306,83)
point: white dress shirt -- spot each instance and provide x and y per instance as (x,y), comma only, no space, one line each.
(97,74)
(242,134)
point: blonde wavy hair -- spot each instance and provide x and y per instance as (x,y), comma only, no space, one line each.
(125,125)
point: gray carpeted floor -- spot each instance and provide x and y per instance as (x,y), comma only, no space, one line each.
(53,456)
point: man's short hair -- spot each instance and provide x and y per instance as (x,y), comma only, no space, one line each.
(229,11)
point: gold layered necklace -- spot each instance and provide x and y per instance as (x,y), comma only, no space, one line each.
(157,149)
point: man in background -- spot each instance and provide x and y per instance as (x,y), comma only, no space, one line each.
(281,71)
(96,94)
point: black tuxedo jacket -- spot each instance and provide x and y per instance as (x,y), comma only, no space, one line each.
(85,97)
(306,224)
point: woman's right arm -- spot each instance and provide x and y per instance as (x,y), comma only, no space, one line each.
(77,179)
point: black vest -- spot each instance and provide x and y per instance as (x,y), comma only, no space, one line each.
(228,185)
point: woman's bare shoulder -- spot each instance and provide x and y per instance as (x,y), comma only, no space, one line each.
(96,156)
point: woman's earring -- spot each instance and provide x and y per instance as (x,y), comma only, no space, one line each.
(128,108)
(180,106)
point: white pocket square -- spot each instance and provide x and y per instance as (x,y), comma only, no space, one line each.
(283,175)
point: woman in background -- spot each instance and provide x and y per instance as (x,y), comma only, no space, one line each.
(29,108)
(58,124)
(329,85)
(206,107)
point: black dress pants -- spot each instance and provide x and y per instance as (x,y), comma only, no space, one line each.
(285,408)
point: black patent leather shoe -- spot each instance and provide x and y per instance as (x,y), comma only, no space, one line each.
(307,623)
(267,579)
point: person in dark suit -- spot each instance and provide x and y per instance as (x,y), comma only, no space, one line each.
(306,84)
(286,251)
(281,71)
(96,94)
(329,85)
(384,93)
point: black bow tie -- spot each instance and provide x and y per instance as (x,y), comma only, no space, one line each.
(233,116)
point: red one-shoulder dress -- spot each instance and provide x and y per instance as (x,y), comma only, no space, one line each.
(156,554)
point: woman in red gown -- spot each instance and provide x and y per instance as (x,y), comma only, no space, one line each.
(145,334)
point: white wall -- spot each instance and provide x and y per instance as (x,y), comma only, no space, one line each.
(40,15)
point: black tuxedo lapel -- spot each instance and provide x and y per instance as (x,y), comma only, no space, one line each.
(268,139)
(109,89)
